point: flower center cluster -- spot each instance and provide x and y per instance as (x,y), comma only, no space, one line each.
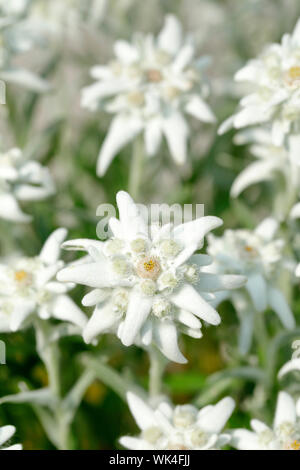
(148,268)
(293,77)
(22,277)
(154,75)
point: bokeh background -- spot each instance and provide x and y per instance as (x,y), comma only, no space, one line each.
(73,36)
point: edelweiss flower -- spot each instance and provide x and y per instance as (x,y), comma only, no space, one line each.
(149,86)
(178,428)
(275,97)
(17,36)
(21,180)
(148,286)
(6,433)
(258,255)
(272,161)
(285,434)
(28,287)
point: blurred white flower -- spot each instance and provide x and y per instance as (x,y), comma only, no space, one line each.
(6,433)
(275,96)
(148,87)
(28,288)
(21,180)
(284,435)
(181,427)
(148,286)
(18,35)
(258,255)
(272,160)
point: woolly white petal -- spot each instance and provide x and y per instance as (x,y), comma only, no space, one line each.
(279,304)
(176,131)
(165,335)
(10,210)
(133,224)
(254,173)
(295,212)
(184,56)
(122,130)
(102,320)
(82,244)
(21,310)
(267,229)
(26,79)
(6,432)
(153,136)
(134,443)
(245,440)
(65,309)
(188,299)
(126,52)
(211,282)
(137,312)
(285,410)
(51,250)
(94,297)
(92,274)
(170,37)
(215,419)
(258,426)
(191,235)
(141,411)
(257,288)
(293,364)
(197,107)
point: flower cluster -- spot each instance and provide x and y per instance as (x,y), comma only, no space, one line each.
(149,86)
(148,285)
(285,434)
(181,427)
(28,288)
(21,180)
(275,95)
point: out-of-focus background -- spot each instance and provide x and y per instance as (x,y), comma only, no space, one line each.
(54,129)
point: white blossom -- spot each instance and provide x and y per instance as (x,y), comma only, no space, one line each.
(148,87)
(181,427)
(274,80)
(148,286)
(6,433)
(28,288)
(258,255)
(272,161)
(18,35)
(21,180)
(283,435)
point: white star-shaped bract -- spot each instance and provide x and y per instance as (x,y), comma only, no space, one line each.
(147,282)
(183,427)
(21,180)
(274,79)
(284,435)
(28,288)
(148,87)
(6,433)
(259,256)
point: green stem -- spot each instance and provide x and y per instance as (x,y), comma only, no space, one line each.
(49,354)
(157,366)
(136,168)
(111,378)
